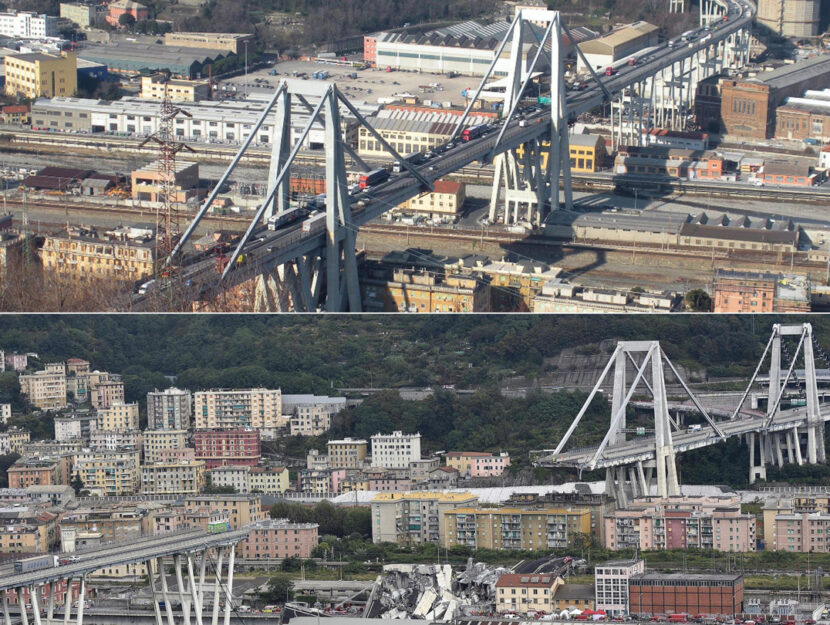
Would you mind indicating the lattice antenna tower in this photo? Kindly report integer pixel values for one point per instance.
(168, 228)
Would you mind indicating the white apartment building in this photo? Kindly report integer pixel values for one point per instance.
(310, 415)
(73, 427)
(45, 389)
(157, 440)
(5, 412)
(173, 478)
(395, 450)
(67, 428)
(611, 585)
(110, 440)
(24, 25)
(170, 409)
(237, 476)
(257, 408)
(118, 417)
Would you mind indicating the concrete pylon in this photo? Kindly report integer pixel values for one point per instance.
(529, 189)
(667, 483)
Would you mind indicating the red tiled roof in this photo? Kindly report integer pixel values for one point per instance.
(459, 454)
(447, 186)
(516, 580)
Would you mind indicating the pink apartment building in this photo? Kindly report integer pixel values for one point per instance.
(803, 532)
(278, 538)
(680, 523)
(477, 463)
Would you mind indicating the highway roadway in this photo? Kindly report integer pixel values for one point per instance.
(268, 249)
(642, 448)
(130, 552)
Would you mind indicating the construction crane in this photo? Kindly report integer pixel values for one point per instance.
(168, 230)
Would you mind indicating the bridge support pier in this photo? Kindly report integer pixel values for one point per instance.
(527, 184)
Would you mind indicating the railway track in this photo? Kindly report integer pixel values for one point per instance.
(260, 155)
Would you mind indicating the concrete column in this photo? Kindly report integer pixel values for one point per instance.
(50, 606)
(7, 619)
(153, 590)
(180, 582)
(797, 442)
(750, 441)
(34, 595)
(642, 478)
(81, 599)
(194, 591)
(618, 395)
(21, 602)
(165, 593)
(217, 584)
(778, 455)
(67, 602)
(229, 586)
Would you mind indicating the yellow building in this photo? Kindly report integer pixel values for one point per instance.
(524, 593)
(119, 417)
(153, 88)
(414, 517)
(157, 440)
(83, 255)
(444, 202)
(111, 472)
(38, 75)
(257, 408)
(347, 453)
(45, 389)
(424, 291)
(33, 534)
(122, 572)
(515, 528)
(107, 394)
(274, 480)
(13, 440)
(173, 478)
(242, 510)
(587, 153)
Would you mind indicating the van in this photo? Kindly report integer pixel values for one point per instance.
(694, 428)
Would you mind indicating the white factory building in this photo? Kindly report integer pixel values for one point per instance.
(467, 48)
(228, 122)
(617, 45)
(23, 25)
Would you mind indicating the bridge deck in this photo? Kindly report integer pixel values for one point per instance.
(269, 249)
(124, 553)
(642, 448)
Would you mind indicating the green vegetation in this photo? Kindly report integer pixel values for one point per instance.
(335, 521)
(322, 355)
(6, 461)
(279, 590)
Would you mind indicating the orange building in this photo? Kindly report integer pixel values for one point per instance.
(138, 11)
(759, 292)
(34, 472)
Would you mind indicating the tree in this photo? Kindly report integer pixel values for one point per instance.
(77, 483)
(698, 300)
(280, 589)
(126, 20)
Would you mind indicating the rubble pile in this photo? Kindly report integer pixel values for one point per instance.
(432, 592)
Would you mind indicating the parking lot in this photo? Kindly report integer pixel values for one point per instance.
(368, 86)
